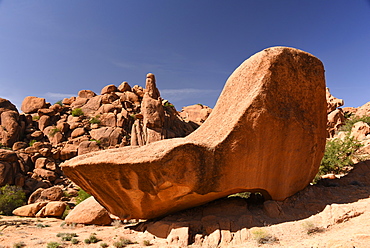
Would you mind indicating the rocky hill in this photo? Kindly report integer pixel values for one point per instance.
(34, 142)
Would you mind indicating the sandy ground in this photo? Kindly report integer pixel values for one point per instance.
(33, 232)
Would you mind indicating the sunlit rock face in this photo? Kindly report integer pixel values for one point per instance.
(266, 133)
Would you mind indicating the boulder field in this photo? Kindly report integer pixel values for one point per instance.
(266, 134)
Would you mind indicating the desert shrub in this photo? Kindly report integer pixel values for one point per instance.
(11, 197)
(67, 236)
(95, 120)
(311, 228)
(123, 242)
(59, 103)
(66, 212)
(36, 117)
(53, 245)
(339, 155)
(92, 239)
(244, 195)
(200, 104)
(77, 112)
(146, 243)
(32, 142)
(347, 127)
(82, 195)
(168, 104)
(53, 131)
(42, 226)
(104, 245)
(97, 141)
(19, 245)
(263, 237)
(74, 241)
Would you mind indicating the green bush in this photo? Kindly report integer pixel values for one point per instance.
(95, 120)
(168, 104)
(36, 117)
(92, 239)
(60, 102)
(82, 195)
(263, 237)
(347, 127)
(53, 131)
(11, 197)
(77, 112)
(339, 155)
(32, 142)
(53, 245)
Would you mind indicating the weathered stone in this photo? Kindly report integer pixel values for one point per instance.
(68, 101)
(52, 209)
(278, 101)
(335, 120)
(124, 86)
(45, 111)
(88, 146)
(108, 120)
(138, 90)
(197, 113)
(272, 208)
(89, 212)
(364, 110)
(360, 130)
(54, 135)
(6, 173)
(8, 155)
(109, 98)
(332, 102)
(86, 94)
(79, 102)
(43, 122)
(68, 151)
(92, 105)
(9, 128)
(78, 132)
(45, 174)
(108, 136)
(19, 145)
(108, 89)
(29, 210)
(6, 105)
(31, 104)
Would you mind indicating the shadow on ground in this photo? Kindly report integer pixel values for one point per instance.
(234, 214)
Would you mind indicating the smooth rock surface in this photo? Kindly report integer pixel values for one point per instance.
(271, 141)
(89, 212)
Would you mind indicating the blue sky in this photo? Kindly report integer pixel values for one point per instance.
(53, 49)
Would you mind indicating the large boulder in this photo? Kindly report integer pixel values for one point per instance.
(31, 104)
(271, 141)
(10, 128)
(89, 212)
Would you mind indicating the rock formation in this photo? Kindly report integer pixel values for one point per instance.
(271, 140)
(335, 113)
(9, 122)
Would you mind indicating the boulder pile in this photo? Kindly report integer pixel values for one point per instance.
(35, 142)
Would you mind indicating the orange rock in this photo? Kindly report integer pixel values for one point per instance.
(332, 102)
(89, 212)
(364, 110)
(271, 141)
(360, 130)
(29, 210)
(31, 104)
(197, 113)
